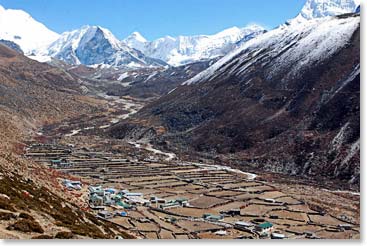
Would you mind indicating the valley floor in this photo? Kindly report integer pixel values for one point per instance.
(181, 199)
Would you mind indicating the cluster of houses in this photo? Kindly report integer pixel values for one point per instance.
(122, 200)
(100, 198)
(179, 202)
(264, 229)
(72, 185)
(212, 217)
(60, 163)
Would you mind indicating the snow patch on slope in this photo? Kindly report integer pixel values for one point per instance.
(293, 47)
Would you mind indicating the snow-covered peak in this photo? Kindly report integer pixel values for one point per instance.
(79, 37)
(228, 32)
(19, 27)
(233, 32)
(323, 8)
(110, 37)
(95, 45)
(138, 37)
(186, 49)
(292, 48)
(135, 40)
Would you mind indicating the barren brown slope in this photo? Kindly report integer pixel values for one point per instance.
(32, 203)
(252, 111)
(33, 93)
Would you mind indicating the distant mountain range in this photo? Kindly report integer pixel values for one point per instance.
(91, 45)
(94, 45)
(186, 49)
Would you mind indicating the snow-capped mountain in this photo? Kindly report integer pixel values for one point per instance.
(294, 48)
(136, 41)
(93, 45)
(19, 27)
(186, 49)
(323, 8)
(311, 21)
(268, 100)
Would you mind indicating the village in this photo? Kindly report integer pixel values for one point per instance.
(159, 199)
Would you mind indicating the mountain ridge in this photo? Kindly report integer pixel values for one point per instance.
(277, 104)
(185, 49)
(324, 8)
(93, 45)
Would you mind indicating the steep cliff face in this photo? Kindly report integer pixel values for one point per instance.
(287, 101)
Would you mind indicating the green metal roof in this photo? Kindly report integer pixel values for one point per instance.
(265, 225)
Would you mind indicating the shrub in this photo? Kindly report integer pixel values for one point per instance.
(64, 235)
(6, 216)
(26, 216)
(26, 225)
(42, 237)
(5, 204)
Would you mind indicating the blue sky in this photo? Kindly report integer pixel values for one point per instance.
(157, 18)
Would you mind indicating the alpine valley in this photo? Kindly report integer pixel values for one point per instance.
(250, 132)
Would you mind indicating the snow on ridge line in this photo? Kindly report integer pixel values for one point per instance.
(25, 31)
(185, 49)
(322, 8)
(331, 32)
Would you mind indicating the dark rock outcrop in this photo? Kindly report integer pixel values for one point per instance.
(11, 45)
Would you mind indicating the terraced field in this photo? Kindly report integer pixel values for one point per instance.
(214, 191)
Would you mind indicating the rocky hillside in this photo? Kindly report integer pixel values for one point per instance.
(141, 83)
(32, 201)
(35, 93)
(11, 45)
(286, 101)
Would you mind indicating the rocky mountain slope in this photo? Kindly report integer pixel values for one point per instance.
(286, 101)
(11, 45)
(187, 49)
(32, 201)
(146, 82)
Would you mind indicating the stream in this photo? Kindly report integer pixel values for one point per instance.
(132, 107)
